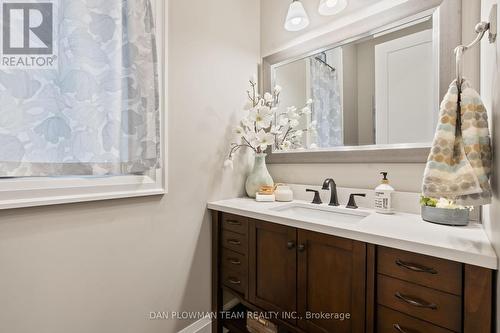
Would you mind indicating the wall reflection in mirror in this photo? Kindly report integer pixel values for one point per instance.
(376, 90)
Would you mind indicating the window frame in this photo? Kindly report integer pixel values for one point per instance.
(44, 191)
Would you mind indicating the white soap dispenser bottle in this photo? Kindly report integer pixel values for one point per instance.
(383, 196)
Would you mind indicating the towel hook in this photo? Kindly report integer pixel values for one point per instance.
(481, 29)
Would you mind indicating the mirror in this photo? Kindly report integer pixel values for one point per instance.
(369, 91)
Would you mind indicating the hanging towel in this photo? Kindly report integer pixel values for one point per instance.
(459, 165)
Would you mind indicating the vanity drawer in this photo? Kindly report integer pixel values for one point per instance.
(234, 280)
(437, 307)
(235, 223)
(234, 241)
(234, 261)
(427, 271)
(396, 322)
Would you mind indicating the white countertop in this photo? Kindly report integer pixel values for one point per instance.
(403, 231)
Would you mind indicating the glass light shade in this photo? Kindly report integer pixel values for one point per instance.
(331, 7)
(296, 18)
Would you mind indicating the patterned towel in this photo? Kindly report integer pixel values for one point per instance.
(459, 166)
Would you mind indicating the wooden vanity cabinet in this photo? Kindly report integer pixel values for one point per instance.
(273, 262)
(302, 273)
(272, 267)
(331, 279)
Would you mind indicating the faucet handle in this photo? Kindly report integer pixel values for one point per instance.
(352, 200)
(317, 198)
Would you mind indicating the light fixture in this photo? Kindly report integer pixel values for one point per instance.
(331, 7)
(296, 18)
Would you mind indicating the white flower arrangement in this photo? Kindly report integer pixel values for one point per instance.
(265, 126)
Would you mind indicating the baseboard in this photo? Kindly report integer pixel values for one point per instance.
(204, 325)
(201, 326)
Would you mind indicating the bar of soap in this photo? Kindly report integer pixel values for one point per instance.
(265, 198)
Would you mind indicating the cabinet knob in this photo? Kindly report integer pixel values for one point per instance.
(290, 245)
(302, 247)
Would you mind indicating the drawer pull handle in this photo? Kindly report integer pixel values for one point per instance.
(234, 281)
(234, 242)
(415, 267)
(233, 222)
(235, 262)
(416, 303)
(398, 328)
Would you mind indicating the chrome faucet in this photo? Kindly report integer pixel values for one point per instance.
(330, 184)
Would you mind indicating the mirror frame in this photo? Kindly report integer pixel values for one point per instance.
(447, 22)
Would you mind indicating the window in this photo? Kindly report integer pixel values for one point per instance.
(82, 94)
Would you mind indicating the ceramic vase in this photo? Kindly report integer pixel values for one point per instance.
(258, 177)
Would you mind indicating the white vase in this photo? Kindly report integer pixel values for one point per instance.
(258, 177)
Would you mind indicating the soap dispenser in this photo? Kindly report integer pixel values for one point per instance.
(383, 196)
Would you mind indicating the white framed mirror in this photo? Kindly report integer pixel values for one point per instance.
(368, 89)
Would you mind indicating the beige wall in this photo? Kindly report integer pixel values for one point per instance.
(102, 267)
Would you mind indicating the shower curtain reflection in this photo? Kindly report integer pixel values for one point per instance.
(327, 104)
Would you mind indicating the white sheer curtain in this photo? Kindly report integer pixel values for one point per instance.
(327, 106)
(98, 112)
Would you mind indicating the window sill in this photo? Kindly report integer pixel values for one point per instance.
(34, 192)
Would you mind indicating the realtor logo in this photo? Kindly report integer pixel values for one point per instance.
(28, 34)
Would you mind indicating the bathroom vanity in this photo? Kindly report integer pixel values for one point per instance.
(310, 266)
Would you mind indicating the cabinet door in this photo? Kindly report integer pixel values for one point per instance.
(273, 267)
(331, 280)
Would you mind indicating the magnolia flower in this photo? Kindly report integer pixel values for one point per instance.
(239, 130)
(294, 123)
(228, 164)
(283, 121)
(268, 97)
(262, 117)
(286, 145)
(265, 124)
(251, 137)
(275, 130)
(264, 139)
(292, 113)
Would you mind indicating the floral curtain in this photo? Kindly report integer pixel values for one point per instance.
(327, 106)
(97, 113)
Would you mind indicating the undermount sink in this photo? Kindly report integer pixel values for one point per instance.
(322, 212)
